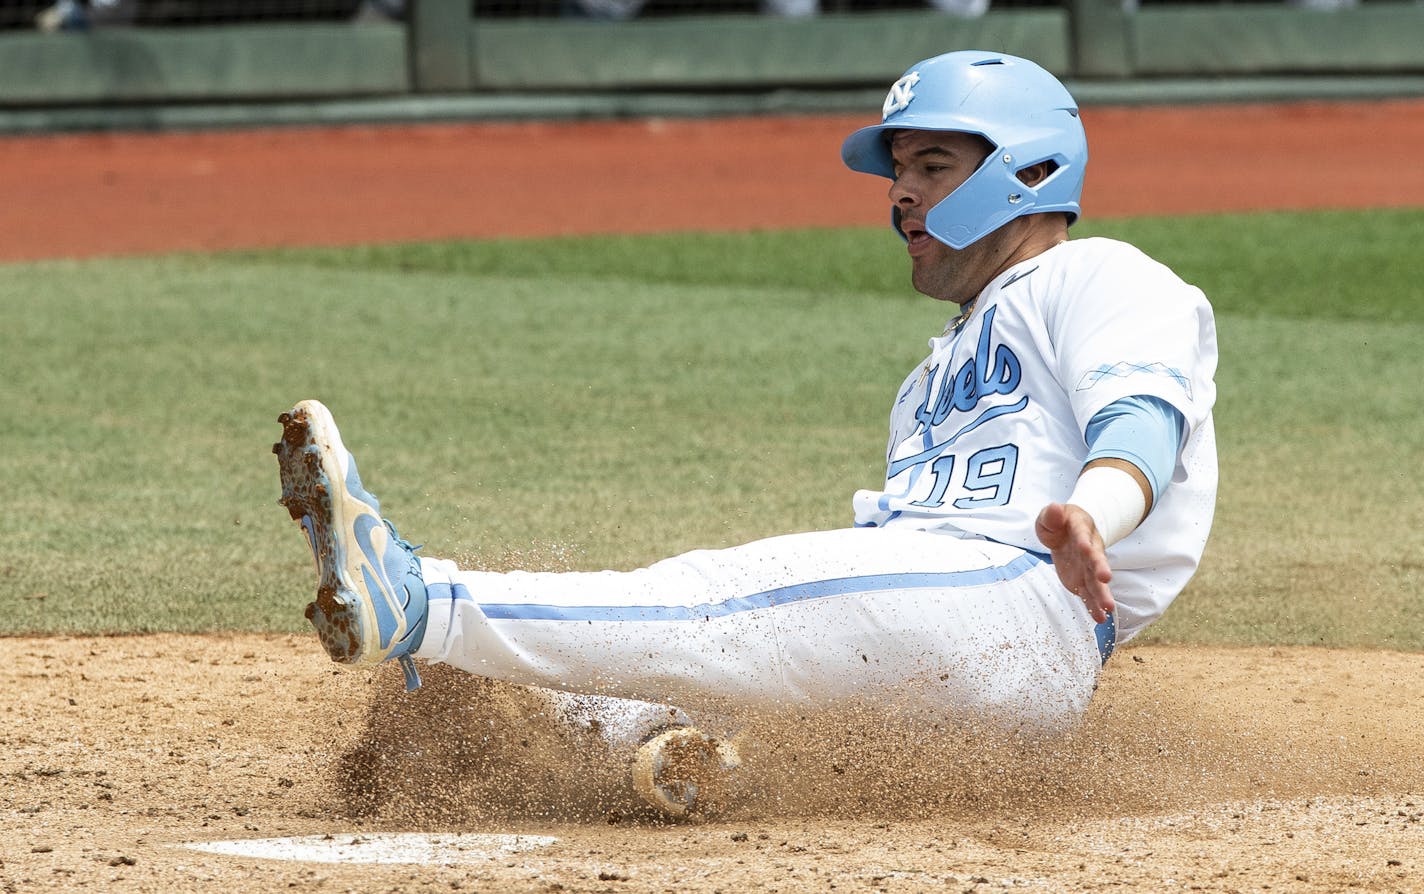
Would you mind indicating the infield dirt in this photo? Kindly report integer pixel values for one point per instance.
(1200, 769)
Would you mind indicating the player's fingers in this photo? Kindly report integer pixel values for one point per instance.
(1099, 600)
(1083, 569)
(1098, 565)
(1099, 597)
(1094, 595)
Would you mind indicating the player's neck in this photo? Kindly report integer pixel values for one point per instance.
(1027, 238)
(1038, 234)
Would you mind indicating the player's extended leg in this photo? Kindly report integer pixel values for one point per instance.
(920, 620)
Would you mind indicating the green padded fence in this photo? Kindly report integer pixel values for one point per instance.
(1187, 40)
(748, 52)
(224, 62)
(444, 51)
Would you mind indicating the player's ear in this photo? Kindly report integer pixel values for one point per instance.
(1036, 174)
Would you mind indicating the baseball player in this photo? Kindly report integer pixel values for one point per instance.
(1050, 481)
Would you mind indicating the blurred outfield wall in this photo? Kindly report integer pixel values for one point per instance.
(512, 64)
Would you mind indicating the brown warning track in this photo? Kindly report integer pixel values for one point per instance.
(87, 195)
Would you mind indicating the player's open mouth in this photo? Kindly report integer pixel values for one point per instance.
(916, 238)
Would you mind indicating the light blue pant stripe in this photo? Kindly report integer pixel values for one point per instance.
(821, 589)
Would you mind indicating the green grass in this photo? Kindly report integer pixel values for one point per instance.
(604, 402)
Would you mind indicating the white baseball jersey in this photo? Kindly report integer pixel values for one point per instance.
(990, 428)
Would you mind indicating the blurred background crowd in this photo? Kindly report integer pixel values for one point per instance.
(76, 15)
(48, 15)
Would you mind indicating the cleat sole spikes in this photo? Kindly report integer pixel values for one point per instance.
(370, 601)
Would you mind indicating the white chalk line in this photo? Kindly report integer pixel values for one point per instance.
(351, 847)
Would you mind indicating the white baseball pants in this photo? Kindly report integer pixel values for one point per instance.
(905, 620)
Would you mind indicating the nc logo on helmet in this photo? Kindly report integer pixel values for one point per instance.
(901, 92)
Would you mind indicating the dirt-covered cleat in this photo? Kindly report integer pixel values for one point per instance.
(370, 599)
(675, 769)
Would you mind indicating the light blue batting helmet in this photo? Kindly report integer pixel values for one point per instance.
(1021, 109)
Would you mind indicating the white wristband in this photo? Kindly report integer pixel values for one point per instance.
(1114, 500)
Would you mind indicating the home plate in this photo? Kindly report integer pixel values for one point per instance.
(435, 849)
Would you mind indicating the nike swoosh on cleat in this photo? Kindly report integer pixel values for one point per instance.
(375, 573)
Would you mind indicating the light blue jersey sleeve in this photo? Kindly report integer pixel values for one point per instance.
(1145, 431)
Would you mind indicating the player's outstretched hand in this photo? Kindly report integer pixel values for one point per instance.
(1078, 555)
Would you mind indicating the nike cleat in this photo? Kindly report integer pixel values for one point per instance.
(677, 770)
(370, 599)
